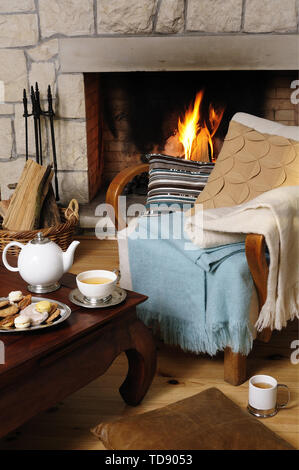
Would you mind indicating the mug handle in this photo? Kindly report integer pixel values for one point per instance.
(283, 405)
(5, 262)
(117, 272)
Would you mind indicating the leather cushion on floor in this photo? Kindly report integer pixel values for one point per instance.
(208, 420)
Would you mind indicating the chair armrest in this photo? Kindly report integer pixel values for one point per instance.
(256, 257)
(118, 184)
(255, 249)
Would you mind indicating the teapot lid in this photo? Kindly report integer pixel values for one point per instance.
(40, 239)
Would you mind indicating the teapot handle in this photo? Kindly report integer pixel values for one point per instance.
(5, 262)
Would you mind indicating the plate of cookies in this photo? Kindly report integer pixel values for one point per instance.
(20, 312)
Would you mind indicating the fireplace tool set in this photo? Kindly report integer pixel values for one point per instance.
(37, 112)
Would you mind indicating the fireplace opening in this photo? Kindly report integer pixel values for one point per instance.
(132, 114)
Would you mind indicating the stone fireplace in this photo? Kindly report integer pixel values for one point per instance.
(70, 43)
(140, 110)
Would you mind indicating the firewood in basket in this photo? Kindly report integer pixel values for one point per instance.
(4, 207)
(41, 194)
(50, 215)
(24, 209)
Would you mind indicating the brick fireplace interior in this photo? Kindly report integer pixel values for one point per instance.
(131, 113)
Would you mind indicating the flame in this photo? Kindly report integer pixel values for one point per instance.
(189, 127)
(196, 134)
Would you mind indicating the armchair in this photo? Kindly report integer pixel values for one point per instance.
(258, 155)
(234, 363)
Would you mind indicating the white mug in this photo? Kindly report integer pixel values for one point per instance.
(262, 402)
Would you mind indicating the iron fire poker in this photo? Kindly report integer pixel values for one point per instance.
(51, 115)
(36, 113)
(35, 118)
(26, 115)
(39, 112)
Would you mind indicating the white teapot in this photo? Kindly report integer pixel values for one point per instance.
(41, 263)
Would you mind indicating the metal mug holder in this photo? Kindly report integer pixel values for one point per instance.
(94, 301)
(271, 412)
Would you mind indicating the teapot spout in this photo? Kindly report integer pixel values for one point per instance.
(68, 255)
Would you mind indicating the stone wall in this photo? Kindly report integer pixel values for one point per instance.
(29, 52)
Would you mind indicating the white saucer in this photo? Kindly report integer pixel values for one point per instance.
(117, 296)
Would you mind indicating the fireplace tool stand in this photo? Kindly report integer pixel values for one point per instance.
(36, 113)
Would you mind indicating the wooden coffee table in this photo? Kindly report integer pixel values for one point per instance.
(43, 367)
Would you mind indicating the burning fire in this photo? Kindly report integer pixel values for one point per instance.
(196, 134)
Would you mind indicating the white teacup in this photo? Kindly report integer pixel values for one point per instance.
(262, 400)
(93, 293)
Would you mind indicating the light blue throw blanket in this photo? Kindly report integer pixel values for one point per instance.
(198, 298)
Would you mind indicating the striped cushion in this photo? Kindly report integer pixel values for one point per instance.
(173, 180)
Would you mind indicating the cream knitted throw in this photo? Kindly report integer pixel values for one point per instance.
(274, 214)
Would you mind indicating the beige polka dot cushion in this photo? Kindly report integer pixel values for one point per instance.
(252, 162)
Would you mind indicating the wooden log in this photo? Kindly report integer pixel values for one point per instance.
(50, 212)
(42, 191)
(24, 209)
(4, 207)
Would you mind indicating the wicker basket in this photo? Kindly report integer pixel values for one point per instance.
(61, 234)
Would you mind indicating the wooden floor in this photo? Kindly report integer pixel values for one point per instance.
(179, 375)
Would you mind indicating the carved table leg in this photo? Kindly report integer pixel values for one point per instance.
(142, 360)
(234, 367)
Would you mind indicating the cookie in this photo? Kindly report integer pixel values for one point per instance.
(8, 323)
(4, 303)
(54, 315)
(53, 308)
(15, 296)
(22, 321)
(37, 318)
(8, 311)
(43, 306)
(25, 301)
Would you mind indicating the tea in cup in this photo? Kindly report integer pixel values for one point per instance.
(96, 284)
(262, 401)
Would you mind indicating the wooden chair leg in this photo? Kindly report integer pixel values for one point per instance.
(265, 335)
(234, 367)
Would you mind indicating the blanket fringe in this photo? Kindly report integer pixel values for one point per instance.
(192, 338)
(288, 309)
